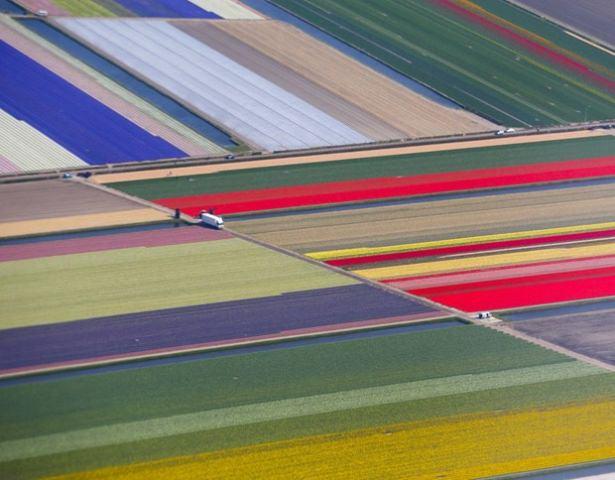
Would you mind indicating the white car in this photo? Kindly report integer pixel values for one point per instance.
(504, 132)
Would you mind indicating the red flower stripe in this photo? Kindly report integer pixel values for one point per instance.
(527, 291)
(477, 247)
(530, 45)
(390, 187)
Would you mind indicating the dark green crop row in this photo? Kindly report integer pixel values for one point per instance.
(475, 67)
(110, 398)
(360, 168)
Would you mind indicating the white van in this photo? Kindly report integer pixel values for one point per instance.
(211, 220)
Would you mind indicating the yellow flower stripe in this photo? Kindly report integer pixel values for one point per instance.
(487, 261)
(460, 447)
(361, 252)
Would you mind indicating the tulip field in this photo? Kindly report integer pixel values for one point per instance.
(307, 239)
(463, 388)
(488, 56)
(375, 179)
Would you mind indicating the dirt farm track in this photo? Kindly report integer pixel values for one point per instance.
(330, 157)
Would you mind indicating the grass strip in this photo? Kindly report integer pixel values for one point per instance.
(130, 395)
(276, 410)
(535, 396)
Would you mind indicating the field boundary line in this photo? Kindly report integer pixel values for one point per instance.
(563, 25)
(579, 130)
(464, 316)
(508, 330)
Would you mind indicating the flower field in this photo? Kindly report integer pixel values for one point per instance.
(420, 450)
(489, 56)
(493, 251)
(465, 388)
(163, 290)
(356, 180)
(54, 206)
(210, 9)
(413, 276)
(478, 273)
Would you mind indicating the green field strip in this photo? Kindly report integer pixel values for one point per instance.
(95, 400)
(549, 394)
(116, 8)
(473, 66)
(362, 168)
(84, 8)
(551, 32)
(71, 287)
(296, 407)
(526, 102)
(550, 70)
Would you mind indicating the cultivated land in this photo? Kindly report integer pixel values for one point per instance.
(359, 391)
(593, 18)
(358, 168)
(107, 92)
(162, 290)
(409, 113)
(475, 253)
(331, 157)
(174, 351)
(475, 57)
(68, 117)
(54, 205)
(586, 328)
(126, 281)
(252, 107)
(259, 62)
(435, 219)
(128, 8)
(380, 178)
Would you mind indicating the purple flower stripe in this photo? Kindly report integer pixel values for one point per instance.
(201, 326)
(151, 238)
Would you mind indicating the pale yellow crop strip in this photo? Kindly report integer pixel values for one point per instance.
(467, 446)
(406, 247)
(487, 261)
(81, 222)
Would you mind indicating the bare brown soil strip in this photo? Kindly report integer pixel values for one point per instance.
(56, 198)
(330, 157)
